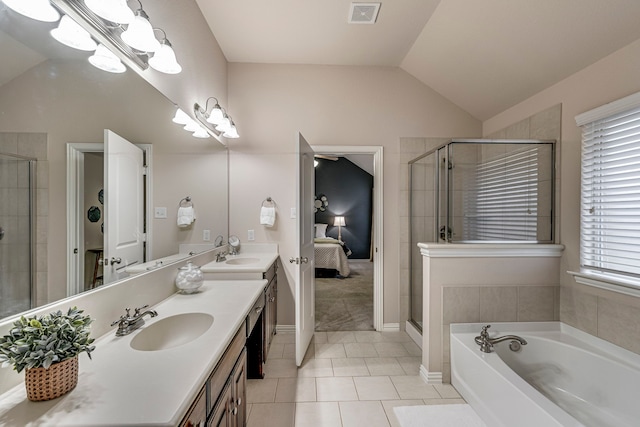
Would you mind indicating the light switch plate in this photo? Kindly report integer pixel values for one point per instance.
(206, 235)
(160, 212)
(251, 235)
(294, 213)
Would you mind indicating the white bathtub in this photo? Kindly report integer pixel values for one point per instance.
(562, 377)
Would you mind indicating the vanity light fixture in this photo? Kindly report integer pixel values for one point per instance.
(106, 60)
(231, 132)
(40, 10)
(191, 125)
(164, 59)
(115, 11)
(201, 133)
(139, 34)
(216, 115)
(70, 33)
(181, 117)
(216, 122)
(225, 123)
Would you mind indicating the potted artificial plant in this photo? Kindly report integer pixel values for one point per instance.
(47, 347)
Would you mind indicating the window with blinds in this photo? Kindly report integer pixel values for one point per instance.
(502, 198)
(610, 207)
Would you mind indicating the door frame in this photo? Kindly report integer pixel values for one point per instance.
(378, 219)
(75, 200)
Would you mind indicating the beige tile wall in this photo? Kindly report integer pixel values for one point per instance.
(31, 145)
(486, 304)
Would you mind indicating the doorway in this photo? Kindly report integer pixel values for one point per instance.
(349, 266)
(85, 258)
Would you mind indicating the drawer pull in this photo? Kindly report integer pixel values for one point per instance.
(259, 309)
(235, 411)
(272, 299)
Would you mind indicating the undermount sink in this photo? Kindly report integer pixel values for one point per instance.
(242, 261)
(172, 331)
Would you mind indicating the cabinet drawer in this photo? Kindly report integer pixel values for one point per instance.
(270, 273)
(220, 375)
(255, 312)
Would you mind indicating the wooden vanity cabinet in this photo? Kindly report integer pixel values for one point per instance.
(222, 400)
(271, 307)
(197, 415)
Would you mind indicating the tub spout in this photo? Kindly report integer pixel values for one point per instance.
(486, 343)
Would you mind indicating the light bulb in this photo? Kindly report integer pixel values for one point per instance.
(232, 132)
(40, 10)
(181, 117)
(112, 10)
(216, 116)
(70, 33)
(139, 34)
(164, 59)
(191, 126)
(106, 60)
(201, 133)
(224, 125)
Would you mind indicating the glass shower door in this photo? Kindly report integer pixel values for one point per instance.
(16, 234)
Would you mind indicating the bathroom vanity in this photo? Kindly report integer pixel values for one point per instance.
(200, 379)
(256, 262)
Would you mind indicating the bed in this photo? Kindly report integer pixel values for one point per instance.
(330, 253)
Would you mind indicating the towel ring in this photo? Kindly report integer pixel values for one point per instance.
(268, 203)
(185, 203)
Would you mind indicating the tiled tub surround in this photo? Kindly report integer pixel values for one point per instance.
(562, 377)
(466, 283)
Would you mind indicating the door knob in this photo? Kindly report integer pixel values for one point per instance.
(294, 260)
(304, 260)
(116, 260)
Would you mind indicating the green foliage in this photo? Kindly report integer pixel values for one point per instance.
(40, 341)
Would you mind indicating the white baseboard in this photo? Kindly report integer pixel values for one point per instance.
(391, 327)
(415, 335)
(430, 377)
(285, 328)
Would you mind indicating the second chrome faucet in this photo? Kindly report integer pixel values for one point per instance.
(127, 323)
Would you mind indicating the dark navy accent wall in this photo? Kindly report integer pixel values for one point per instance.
(349, 191)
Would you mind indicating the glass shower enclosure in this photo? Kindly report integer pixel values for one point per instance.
(479, 191)
(17, 236)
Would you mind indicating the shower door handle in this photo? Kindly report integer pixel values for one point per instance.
(1, 233)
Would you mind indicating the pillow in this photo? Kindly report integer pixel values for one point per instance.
(321, 231)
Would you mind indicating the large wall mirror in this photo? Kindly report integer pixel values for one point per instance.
(51, 96)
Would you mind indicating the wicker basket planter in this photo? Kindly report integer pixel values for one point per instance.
(49, 383)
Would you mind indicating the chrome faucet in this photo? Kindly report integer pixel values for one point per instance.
(486, 343)
(127, 323)
(221, 256)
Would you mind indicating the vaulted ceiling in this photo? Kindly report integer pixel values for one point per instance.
(483, 55)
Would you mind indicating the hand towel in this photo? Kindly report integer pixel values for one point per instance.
(186, 216)
(267, 216)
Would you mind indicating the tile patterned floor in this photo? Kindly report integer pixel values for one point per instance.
(348, 379)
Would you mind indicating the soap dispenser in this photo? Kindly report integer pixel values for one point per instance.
(189, 278)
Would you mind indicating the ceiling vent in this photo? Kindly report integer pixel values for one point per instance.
(363, 13)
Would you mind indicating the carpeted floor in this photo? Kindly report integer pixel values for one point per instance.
(346, 304)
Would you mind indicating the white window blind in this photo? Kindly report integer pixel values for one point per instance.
(610, 209)
(502, 203)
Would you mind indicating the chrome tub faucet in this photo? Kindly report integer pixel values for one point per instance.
(486, 343)
(127, 323)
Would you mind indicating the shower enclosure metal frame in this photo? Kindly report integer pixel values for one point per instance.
(31, 201)
(442, 228)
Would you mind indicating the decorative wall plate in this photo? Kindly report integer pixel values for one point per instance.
(93, 214)
(320, 203)
(101, 196)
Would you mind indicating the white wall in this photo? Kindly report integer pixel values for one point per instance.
(610, 316)
(329, 105)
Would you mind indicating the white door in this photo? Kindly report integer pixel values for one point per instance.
(123, 204)
(305, 277)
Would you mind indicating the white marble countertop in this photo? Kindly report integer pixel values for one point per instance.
(229, 270)
(126, 387)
